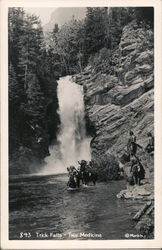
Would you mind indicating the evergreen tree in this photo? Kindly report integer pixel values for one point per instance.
(94, 37)
(67, 47)
(32, 87)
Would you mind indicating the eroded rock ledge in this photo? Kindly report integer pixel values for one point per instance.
(114, 104)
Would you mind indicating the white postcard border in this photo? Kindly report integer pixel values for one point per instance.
(68, 244)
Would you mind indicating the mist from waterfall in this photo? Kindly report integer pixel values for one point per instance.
(73, 143)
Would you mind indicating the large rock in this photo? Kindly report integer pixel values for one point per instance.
(144, 192)
(116, 105)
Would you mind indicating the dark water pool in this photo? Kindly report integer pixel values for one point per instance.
(42, 208)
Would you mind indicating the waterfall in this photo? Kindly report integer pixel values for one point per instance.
(73, 144)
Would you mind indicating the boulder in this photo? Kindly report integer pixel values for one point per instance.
(135, 192)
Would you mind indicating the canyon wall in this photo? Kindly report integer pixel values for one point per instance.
(123, 101)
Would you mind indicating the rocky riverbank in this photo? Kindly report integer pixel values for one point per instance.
(144, 218)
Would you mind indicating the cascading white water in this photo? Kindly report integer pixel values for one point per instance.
(74, 145)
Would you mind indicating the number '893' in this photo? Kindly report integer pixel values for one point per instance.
(25, 235)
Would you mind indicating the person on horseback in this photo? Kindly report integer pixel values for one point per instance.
(86, 175)
(72, 177)
(137, 170)
(92, 173)
(77, 177)
(82, 168)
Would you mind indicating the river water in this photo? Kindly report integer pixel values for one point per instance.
(42, 204)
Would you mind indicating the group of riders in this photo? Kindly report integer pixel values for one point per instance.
(137, 170)
(86, 173)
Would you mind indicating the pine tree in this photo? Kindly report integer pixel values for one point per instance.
(94, 30)
(32, 86)
(67, 47)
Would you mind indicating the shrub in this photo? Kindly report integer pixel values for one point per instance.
(107, 167)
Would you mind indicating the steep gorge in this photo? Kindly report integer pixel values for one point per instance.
(123, 101)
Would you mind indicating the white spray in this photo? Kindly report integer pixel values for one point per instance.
(74, 145)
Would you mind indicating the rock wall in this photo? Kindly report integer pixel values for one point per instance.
(124, 101)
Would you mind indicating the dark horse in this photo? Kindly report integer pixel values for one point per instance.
(86, 174)
(138, 171)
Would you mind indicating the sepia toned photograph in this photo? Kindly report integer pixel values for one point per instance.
(81, 123)
(81, 130)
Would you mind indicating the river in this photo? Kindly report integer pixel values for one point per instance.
(42, 204)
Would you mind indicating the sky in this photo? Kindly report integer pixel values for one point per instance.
(43, 13)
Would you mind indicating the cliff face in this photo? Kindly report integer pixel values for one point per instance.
(63, 15)
(124, 101)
